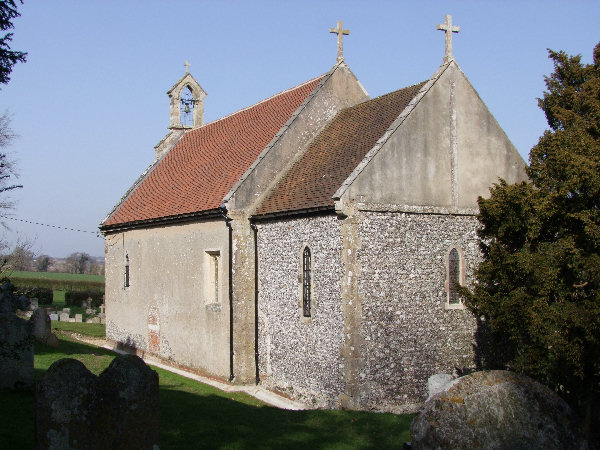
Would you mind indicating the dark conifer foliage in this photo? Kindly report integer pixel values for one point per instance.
(8, 57)
(537, 294)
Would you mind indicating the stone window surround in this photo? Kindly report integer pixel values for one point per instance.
(211, 288)
(461, 275)
(313, 303)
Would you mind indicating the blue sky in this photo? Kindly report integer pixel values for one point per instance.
(91, 103)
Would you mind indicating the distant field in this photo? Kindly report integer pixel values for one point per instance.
(56, 276)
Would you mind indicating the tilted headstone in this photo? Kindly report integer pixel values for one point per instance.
(496, 409)
(117, 409)
(16, 342)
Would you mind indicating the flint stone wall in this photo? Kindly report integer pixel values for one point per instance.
(408, 334)
(298, 355)
(397, 302)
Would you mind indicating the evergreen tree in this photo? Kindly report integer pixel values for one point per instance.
(537, 291)
(8, 57)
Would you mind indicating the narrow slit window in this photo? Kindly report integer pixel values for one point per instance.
(453, 277)
(126, 270)
(306, 282)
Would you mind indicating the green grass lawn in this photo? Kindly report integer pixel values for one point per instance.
(55, 276)
(194, 415)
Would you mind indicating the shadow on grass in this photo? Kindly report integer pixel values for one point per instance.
(196, 421)
(197, 416)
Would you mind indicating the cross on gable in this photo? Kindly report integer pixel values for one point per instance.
(187, 67)
(448, 29)
(339, 30)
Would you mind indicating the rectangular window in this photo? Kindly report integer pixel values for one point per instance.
(211, 276)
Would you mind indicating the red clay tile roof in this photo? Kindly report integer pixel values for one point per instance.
(206, 162)
(334, 154)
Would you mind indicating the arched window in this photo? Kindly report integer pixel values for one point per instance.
(454, 278)
(126, 270)
(306, 282)
(186, 112)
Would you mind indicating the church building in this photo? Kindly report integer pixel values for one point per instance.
(312, 242)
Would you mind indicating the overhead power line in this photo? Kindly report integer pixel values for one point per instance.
(58, 227)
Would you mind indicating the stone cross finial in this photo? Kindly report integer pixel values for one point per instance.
(187, 67)
(339, 30)
(448, 28)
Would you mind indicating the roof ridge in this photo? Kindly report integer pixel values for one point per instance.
(321, 83)
(259, 102)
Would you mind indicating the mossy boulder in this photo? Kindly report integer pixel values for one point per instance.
(496, 410)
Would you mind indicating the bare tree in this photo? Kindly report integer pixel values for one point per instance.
(78, 263)
(42, 263)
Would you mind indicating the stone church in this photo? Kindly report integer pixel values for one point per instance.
(311, 242)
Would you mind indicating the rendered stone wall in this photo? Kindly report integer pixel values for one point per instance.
(407, 333)
(169, 309)
(297, 355)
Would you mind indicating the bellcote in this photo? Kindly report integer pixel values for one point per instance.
(186, 103)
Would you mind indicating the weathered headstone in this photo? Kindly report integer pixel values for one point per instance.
(42, 327)
(66, 310)
(496, 409)
(53, 316)
(16, 342)
(78, 318)
(66, 402)
(92, 320)
(130, 387)
(64, 317)
(117, 409)
(41, 324)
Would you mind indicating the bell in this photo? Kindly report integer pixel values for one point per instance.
(187, 108)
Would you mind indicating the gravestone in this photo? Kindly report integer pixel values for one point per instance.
(41, 324)
(66, 310)
(496, 409)
(16, 342)
(117, 409)
(92, 320)
(66, 399)
(53, 316)
(64, 317)
(42, 327)
(33, 304)
(78, 318)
